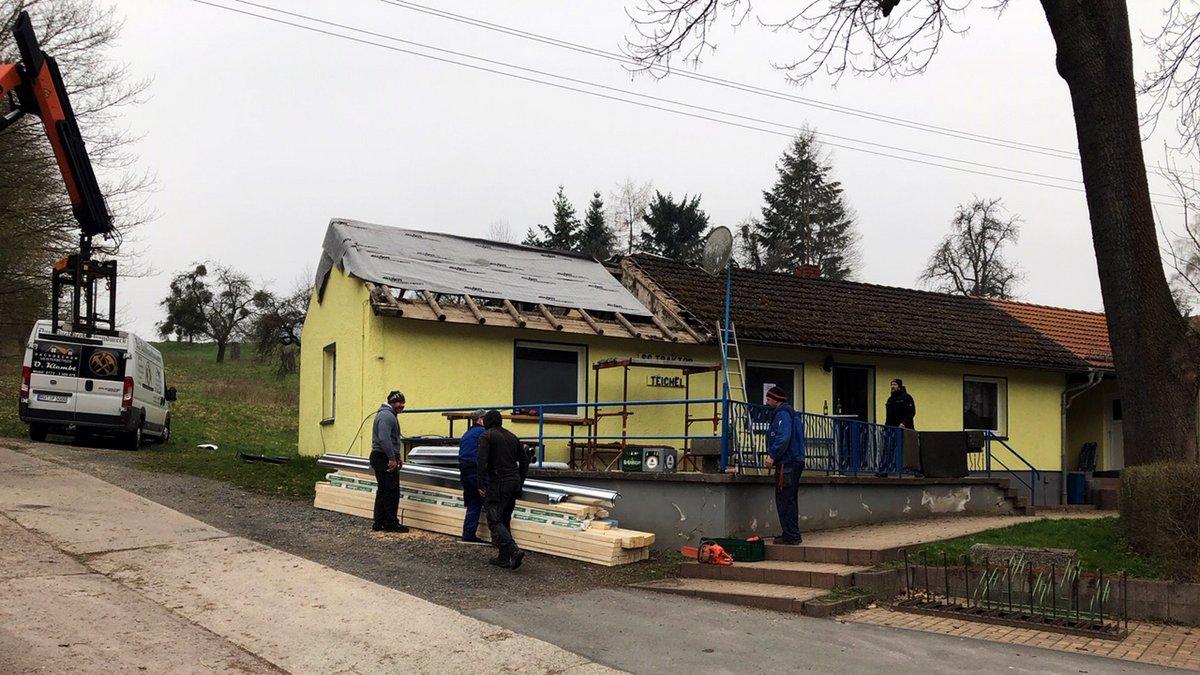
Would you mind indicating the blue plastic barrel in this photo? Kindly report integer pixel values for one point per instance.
(1076, 487)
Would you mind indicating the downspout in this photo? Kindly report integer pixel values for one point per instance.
(1069, 395)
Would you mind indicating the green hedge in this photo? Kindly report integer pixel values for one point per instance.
(1160, 516)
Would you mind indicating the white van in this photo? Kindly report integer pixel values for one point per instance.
(100, 384)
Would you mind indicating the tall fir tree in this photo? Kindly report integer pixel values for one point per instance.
(674, 229)
(805, 220)
(596, 239)
(563, 235)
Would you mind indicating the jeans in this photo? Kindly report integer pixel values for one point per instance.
(474, 502)
(387, 491)
(787, 497)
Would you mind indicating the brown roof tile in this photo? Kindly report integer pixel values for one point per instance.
(855, 317)
(1085, 334)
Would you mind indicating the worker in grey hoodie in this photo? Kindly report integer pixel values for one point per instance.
(386, 462)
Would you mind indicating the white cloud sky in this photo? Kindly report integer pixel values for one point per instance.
(259, 133)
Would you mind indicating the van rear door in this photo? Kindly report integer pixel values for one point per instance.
(101, 379)
(54, 376)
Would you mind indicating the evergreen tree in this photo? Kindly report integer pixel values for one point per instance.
(674, 230)
(805, 220)
(563, 235)
(596, 239)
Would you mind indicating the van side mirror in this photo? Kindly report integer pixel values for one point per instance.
(170, 394)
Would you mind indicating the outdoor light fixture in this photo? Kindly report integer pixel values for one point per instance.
(828, 364)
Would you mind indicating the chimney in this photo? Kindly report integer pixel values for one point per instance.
(808, 272)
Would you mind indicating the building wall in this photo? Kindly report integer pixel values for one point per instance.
(441, 365)
(1087, 421)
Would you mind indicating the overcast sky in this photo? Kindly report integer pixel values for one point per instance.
(260, 133)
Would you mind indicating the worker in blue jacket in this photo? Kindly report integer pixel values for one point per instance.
(785, 452)
(468, 474)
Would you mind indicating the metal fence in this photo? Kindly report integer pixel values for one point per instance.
(835, 445)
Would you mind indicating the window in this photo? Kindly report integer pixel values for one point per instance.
(984, 401)
(762, 376)
(329, 383)
(549, 373)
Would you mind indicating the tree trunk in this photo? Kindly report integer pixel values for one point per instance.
(1154, 355)
(220, 352)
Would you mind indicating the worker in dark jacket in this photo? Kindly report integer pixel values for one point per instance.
(386, 462)
(468, 475)
(901, 409)
(785, 452)
(503, 465)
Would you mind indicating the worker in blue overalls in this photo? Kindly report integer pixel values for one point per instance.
(468, 475)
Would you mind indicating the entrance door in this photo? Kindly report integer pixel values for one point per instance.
(762, 376)
(1116, 438)
(852, 391)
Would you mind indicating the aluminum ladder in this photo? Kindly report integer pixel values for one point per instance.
(737, 368)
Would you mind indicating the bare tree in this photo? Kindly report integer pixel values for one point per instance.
(499, 230)
(968, 261)
(630, 201)
(218, 307)
(36, 223)
(1156, 356)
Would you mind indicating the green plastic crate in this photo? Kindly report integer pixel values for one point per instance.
(742, 550)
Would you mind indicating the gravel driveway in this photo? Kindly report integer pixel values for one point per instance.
(431, 566)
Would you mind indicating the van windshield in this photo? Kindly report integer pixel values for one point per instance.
(66, 359)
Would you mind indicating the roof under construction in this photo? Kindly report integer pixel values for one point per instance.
(444, 277)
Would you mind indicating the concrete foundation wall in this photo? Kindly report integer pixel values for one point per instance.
(682, 508)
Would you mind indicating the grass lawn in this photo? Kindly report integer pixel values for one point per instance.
(1097, 541)
(239, 406)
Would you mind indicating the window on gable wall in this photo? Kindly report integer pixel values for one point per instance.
(329, 382)
(985, 404)
(549, 373)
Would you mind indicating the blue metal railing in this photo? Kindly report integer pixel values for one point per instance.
(834, 445)
(981, 462)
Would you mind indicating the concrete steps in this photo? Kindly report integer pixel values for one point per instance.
(834, 555)
(777, 572)
(778, 597)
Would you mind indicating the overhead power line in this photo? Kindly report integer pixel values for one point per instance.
(589, 92)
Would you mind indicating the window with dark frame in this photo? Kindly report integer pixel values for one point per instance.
(545, 374)
(983, 404)
(329, 382)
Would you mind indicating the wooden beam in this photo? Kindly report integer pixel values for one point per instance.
(590, 321)
(658, 301)
(628, 326)
(474, 309)
(437, 310)
(549, 317)
(512, 311)
(386, 294)
(663, 327)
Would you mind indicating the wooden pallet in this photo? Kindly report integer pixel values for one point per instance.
(598, 543)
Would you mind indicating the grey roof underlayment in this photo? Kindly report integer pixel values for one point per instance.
(445, 263)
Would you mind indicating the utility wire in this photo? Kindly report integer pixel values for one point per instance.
(616, 98)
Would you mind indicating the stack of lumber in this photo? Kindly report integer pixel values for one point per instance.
(573, 531)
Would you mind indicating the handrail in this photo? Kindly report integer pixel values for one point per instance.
(1034, 474)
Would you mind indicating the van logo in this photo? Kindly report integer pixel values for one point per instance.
(103, 363)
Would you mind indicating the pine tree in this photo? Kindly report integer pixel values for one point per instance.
(596, 239)
(564, 234)
(805, 220)
(674, 230)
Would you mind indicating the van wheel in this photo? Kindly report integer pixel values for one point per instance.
(166, 432)
(133, 440)
(38, 431)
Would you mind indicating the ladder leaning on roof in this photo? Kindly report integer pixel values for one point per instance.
(737, 369)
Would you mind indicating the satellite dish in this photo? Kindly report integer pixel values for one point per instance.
(718, 246)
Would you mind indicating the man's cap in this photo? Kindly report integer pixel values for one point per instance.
(395, 396)
(777, 394)
(477, 414)
(898, 382)
(492, 418)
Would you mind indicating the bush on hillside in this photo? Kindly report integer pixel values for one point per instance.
(1160, 516)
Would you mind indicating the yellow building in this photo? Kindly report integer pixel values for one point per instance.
(462, 323)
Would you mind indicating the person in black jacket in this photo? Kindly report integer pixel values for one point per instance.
(901, 409)
(503, 465)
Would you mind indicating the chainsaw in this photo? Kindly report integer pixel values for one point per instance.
(707, 553)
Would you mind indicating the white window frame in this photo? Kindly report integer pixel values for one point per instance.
(1001, 401)
(797, 368)
(328, 383)
(581, 352)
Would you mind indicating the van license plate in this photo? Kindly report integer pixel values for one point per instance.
(52, 398)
